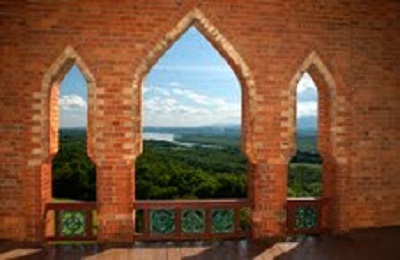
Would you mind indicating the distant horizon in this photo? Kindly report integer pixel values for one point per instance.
(204, 126)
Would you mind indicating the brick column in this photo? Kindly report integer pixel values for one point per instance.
(115, 194)
(328, 191)
(269, 212)
(20, 204)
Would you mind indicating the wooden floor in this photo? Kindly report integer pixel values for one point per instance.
(376, 244)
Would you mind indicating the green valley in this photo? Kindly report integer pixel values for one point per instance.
(206, 163)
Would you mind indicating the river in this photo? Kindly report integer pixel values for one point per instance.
(170, 138)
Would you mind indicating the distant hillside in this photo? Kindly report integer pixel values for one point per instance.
(306, 128)
(307, 122)
(202, 130)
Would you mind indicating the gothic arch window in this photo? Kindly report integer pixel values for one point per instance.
(69, 88)
(191, 125)
(324, 82)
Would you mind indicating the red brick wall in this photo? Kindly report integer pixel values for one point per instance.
(356, 48)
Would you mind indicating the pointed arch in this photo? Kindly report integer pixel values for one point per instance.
(326, 87)
(327, 125)
(63, 63)
(50, 88)
(197, 19)
(44, 127)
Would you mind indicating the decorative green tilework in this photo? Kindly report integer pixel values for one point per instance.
(162, 221)
(193, 221)
(222, 220)
(73, 223)
(306, 217)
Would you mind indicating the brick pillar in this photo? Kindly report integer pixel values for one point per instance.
(36, 191)
(47, 224)
(268, 182)
(20, 204)
(333, 182)
(115, 195)
(328, 191)
(340, 199)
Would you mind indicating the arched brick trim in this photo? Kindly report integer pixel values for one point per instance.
(327, 130)
(50, 84)
(44, 136)
(196, 18)
(326, 88)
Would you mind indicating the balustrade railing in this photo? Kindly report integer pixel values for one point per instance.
(173, 220)
(305, 215)
(191, 219)
(71, 221)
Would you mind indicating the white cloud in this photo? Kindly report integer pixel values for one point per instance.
(160, 105)
(180, 106)
(308, 108)
(72, 102)
(192, 95)
(306, 82)
(307, 95)
(153, 90)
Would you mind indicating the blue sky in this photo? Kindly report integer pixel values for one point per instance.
(73, 99)
(191, 85)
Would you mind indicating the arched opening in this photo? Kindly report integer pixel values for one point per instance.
(305, 169)
(67, 65)
(73, 173)
(314, 214)
(197, 19)
(191, 126)
(148, 213)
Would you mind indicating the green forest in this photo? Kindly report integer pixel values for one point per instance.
(212, 166)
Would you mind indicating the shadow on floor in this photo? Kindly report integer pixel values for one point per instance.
(377, 244)
(371, 244)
